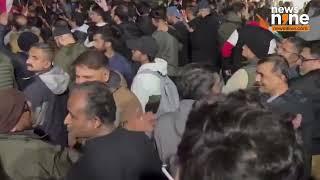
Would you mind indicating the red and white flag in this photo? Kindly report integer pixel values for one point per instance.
(5, 5)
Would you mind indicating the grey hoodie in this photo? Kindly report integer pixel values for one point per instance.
(41, 90)
(169, 130)
(56, 80)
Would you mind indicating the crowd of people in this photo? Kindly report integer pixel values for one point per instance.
(156, 90)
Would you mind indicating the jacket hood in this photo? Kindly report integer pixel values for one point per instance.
(159, 65)
(56, 80)
(232, 17)
(115, 81)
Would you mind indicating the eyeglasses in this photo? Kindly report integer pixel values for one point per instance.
(303, 59)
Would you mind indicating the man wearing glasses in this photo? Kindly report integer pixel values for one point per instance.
(290, 49)
(309, 84)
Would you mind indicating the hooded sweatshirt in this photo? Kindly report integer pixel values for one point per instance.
(146, 85)
(47, 96)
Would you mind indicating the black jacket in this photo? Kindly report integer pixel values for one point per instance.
(20, 70)
(121, 155)
(145, 25)
(129, 30)
(309, 84)
(48, 95)
(182, 34)
(204, 40)
(295, 102)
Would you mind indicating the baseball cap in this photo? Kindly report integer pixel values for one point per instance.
(145, 44)
(173, 11)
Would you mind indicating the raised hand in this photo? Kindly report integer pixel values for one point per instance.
(103, 4)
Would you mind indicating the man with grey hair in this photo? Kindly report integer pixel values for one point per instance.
(46, 93)
(109, 152)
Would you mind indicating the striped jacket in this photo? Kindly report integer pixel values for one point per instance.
(7, 79)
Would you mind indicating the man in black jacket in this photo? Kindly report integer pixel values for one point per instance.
(309, 84)
(272, 80)
(204, 38)
(109, 153)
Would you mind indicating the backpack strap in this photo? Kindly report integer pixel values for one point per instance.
(148, 71)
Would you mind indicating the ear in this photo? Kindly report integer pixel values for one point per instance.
(106, 75)
(284, 77)
(97, 122)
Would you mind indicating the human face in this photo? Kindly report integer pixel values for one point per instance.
(247, 53)
(99, 43)
(37, 61)
(136, 55)
(85, 74)
(268, 80)
(94, 17)
(289, 52)
(78, 123)
(308, 62)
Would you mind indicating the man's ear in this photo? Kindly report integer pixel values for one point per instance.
(97, 122)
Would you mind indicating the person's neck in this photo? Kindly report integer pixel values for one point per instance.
(281, 90)
(145, 62)
(103, 131)
(118, 22)
(109, 53)
(44, 71)
(100, 22)
(163, 27)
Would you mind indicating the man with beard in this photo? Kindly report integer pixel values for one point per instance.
(106, 42)
(47, 93)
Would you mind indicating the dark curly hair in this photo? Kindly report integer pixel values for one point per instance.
(237, 137)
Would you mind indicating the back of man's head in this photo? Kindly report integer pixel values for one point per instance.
(264, 13)
(79, 19)
(238, 7)
(233, 137)
(315, 49)
(143, 8)
(122, 11)
(159, 13)
(196, 81)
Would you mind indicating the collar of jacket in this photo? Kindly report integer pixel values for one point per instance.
(114, 82)
(252, 62)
